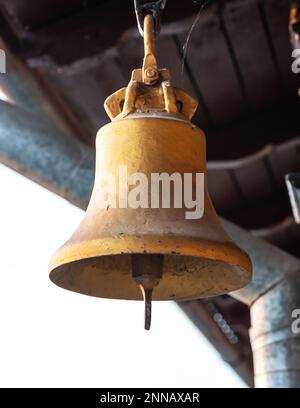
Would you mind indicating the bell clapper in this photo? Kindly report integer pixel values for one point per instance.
(147, 273)
(147, 294)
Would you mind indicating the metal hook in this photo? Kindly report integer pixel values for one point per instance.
(144, 7)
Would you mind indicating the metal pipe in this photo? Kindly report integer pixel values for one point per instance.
(276, 349)
(40, 152)
(36, 140)
(272, 297)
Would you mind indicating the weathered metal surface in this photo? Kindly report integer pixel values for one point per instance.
(35, 136)
(142, 144)
(145, 136)
(270, 264)
(273, 295)
(44, 154)
(276, 347)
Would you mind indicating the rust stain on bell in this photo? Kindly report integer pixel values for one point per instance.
(150, 253)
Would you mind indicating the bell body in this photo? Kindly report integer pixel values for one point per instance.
(199, 259)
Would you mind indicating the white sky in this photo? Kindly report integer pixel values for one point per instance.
(50, 337)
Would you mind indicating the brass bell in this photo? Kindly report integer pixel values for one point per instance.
(118, 250)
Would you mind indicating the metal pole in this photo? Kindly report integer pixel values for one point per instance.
(272, 297)
(40, 152)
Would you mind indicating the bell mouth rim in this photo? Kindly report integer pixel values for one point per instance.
(166, 245)
(71, 259)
